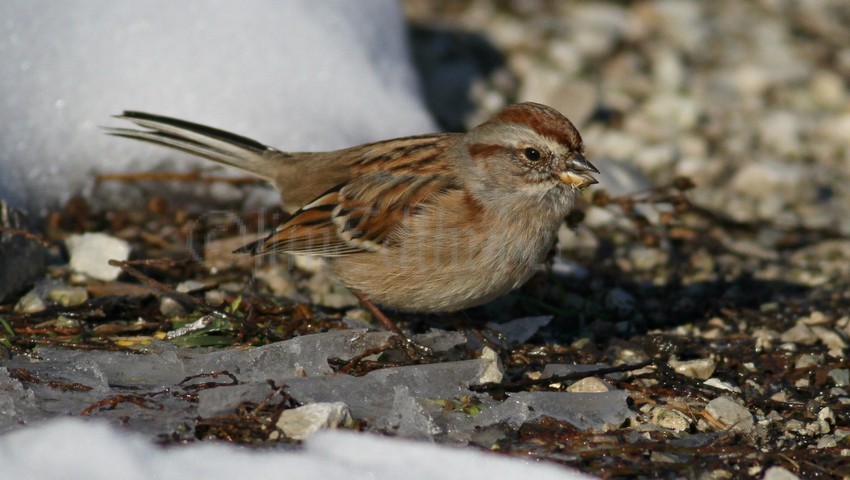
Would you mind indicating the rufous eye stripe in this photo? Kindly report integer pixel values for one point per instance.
(484, 150)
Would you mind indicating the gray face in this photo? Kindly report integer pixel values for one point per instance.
(532, 150)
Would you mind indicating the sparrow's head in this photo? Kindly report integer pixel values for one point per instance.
(531, 149)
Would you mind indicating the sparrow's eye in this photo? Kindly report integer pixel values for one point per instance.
(532, 154)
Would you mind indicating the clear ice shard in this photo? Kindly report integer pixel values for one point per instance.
(586, 411)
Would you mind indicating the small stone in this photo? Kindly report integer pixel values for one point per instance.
(215, 297)
(189, 286)
(826, 415)
(598, 217)
(302, 422)
(761, 179)
(30, 303)
(576, 100)
(781, 397)
(840, 376)
(671, 419)
(799, 333)
(794, 425)
(828, 89)
(357, 318)
(765, 337)
(663, 457)
(647, 258)
(701, 368)
(808, 360)
(842, 394)
(65, 322)
(819, 427)
(493, 372)
(655, 158)
(278, 279)
(717, 475)
(780, 131)
(731, 414)
(67, 295)
(597, 27)
(717, 383)
(668, 70)
(829, 337)
(674, 113)
(90, 254)
(328, 293)
(589, 385)
(22, 259)
(620, 300)
(827, 442)
(779, 473)
(170, 308)
(815, 318)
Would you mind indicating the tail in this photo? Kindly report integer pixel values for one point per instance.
(207, 142)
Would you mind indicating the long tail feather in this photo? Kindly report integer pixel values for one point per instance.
(201, 140)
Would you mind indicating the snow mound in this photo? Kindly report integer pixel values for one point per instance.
(298, 75)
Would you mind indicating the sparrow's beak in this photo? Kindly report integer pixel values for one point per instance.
(578, 173)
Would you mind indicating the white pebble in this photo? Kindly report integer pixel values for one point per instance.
(90, 254)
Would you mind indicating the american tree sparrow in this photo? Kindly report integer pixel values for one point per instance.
(428, 223)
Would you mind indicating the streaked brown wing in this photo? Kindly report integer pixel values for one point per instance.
(371, 208)
(389, 182)
(310, 231)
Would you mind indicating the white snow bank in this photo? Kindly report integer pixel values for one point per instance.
(70, 448)
(299, 75)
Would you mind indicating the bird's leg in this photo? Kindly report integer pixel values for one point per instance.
(413, 349)
(379, 315)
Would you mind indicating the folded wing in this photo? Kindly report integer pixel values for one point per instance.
(364, 213)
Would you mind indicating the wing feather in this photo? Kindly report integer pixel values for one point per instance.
(364, 213)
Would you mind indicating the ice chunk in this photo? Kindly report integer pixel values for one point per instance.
(299, 357)
(559, 369)
(409, 417)
(221, 400)
(17, 405)
(159, 368)
(520, 330)
(587, 411)
(440, 340)
(370, 396)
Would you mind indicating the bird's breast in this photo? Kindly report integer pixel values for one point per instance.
(447, 264)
